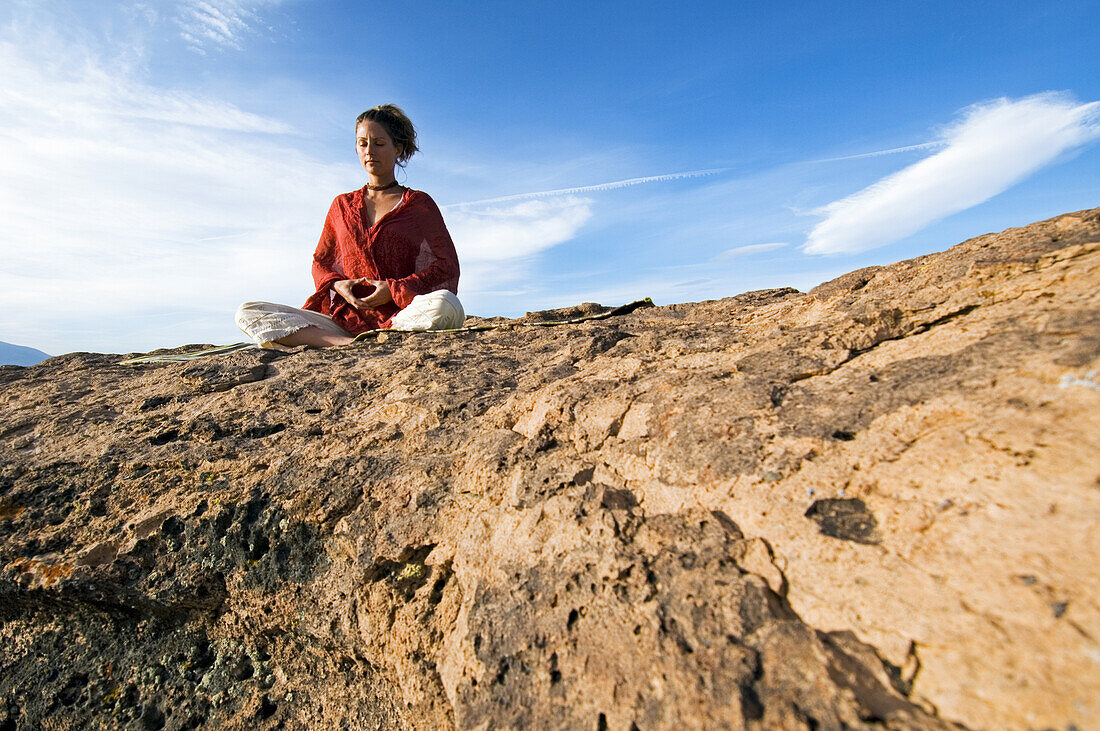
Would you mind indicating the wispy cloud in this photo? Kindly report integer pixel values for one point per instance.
(98, 94)
(880, 153)
(992, 146)
(498, 238)
(219, 23)
(599, 187)
(513, 232)
(154, 212)
(496, 245)
(136, 217)
(739, 251)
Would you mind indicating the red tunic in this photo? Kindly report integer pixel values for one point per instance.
(409, 247)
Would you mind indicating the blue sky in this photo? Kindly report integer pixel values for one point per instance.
(161, 162)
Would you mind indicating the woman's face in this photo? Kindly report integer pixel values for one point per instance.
(376, 150)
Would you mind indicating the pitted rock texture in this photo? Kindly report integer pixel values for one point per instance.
(869, 506)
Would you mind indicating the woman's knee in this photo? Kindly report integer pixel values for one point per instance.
(438, 310)
(450, 308)
(248, 312)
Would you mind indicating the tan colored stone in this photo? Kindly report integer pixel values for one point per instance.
(869, 506)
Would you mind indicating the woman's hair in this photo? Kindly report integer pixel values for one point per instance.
(398, 126)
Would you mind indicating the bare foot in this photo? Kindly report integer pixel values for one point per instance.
(314, 337)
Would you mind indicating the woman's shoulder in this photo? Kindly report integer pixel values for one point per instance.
(345, 202)
(420, 199)
(348, 198)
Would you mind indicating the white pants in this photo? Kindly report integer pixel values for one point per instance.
(266, 322)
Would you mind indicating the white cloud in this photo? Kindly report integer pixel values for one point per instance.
(133, 217)
(497, 244)
(521, 230)
(67, 84)
(992, 146)
(218, 23)
(749, 250)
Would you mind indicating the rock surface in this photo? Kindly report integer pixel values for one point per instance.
(873, 505)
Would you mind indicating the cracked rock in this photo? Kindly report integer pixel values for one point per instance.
(869, 506)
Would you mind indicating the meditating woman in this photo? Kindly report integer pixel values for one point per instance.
(385, 259)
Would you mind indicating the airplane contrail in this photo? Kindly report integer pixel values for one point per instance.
(673, 176)
(891, 151)
(592, 188)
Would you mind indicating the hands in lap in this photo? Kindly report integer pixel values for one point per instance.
(379, 295)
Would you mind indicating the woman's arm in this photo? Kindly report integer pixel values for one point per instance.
(437, 260)
(326, 268)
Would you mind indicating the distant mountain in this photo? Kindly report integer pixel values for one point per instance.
(20, 355)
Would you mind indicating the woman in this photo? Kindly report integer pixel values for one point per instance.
(384, 260)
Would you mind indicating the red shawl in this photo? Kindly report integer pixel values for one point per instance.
(409, 247)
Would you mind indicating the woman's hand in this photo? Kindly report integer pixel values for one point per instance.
(344, 289)
(378, 297)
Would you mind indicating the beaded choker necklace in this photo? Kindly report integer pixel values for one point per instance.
(387, 186)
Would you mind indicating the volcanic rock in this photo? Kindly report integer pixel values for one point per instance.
(869, 506)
